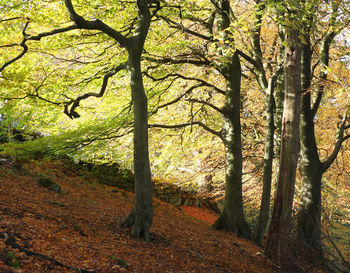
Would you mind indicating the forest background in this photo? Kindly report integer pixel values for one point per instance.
(45, 74)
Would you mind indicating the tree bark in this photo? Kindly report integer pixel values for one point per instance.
(279, 99)
(141, 216)
(232, 217)
(268, 88)
(267, 177)
(309, 216)
(278, 247)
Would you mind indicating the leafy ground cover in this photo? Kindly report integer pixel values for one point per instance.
(79, 228)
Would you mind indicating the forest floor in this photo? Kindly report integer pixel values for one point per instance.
(44, 231)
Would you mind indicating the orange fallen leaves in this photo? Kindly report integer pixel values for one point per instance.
(80, 228)
(202, 214)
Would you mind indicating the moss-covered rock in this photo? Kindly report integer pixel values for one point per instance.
(49, 184)
(114, 175)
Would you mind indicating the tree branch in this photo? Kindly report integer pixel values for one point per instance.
(324, 58)
(339, 141)
(27, 37)
(166, 60)
(208, 104)
(247, 57)
(188, 91)
(174, 24)
(256, 48)
(205, 83)
(183, 125)
(10, 19)
(75, 103)
(81, 23)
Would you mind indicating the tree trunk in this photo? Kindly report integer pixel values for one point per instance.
(141, 216)
(279, 98)
(309, 216)
(267, 178)
(278, 243)
(232, 217)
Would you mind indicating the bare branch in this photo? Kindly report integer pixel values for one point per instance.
(24, 51)
(49, 33)
(9, 19)
(208, 104)
(165, 60)
(205, 83)
(33, 37)
(176, 25)
(188, 91)
(183, 125)
(75, 103)
(339, 141)
(81, 23)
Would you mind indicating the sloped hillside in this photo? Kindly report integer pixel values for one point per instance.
(77, 230)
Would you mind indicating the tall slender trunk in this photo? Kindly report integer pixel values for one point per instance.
(267, 177)
(309, 216)
(278, 243)
(268, 88)
(279, 98)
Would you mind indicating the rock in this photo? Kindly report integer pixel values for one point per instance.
(114, 175)
(49, 184)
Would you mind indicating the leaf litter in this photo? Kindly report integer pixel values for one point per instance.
(79, 229)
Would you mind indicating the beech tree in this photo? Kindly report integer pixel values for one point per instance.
(232, 216)
(311, 165)
(141, 216)
(278, 244)
(270, 81)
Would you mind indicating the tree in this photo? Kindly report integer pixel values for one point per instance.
(311, 165)
(232, 216)
(278, 247)
(141, 216)
(268, 85)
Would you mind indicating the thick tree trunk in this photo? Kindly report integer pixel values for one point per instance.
(278, 243)
(141, 216)
(232, 217)
(309, 216)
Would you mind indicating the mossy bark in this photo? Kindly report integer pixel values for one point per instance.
(232, 217)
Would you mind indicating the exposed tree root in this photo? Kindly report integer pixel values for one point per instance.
(11, 241)
(139, 228)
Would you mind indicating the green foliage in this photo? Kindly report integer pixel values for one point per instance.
(11, 259)
(82, 144)
(120, 261)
